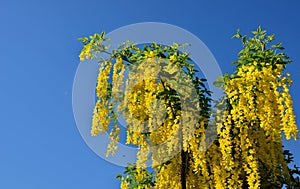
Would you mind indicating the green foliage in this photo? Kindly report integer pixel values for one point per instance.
(93, 44)
(132, 180)
(259, 48)
(294, 182)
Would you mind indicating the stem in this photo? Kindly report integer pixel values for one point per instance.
(183, 167)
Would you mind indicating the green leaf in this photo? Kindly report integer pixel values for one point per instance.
(83, 39)
(119, 176)
(237, 35)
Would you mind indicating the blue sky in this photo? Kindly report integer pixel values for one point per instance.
(40, 146)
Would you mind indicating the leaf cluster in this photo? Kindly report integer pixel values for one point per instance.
(294, 172)
(131, 174)
(95, 44)
(259, 47)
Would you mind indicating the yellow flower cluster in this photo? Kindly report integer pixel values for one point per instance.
(114, 136)
(159, 118)
(86, 52)
(101, 118)
(117, 85)
(261, 108)
(168, 176)
(117, 79)
(150, 54)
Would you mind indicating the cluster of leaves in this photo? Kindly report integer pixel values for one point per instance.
(259, 48)
(294, 172)
(93, 43)
(131, 177)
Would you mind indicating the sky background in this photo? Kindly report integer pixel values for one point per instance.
(40, 145)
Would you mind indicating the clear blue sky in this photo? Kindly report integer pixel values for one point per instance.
(40, 146)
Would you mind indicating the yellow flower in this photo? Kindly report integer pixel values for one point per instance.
(85, 52)
(173, 58)
(150, 54)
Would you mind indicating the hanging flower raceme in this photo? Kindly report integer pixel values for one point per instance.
(101, 118)
(260, 110)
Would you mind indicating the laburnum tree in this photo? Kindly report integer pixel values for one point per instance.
(169, 114)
